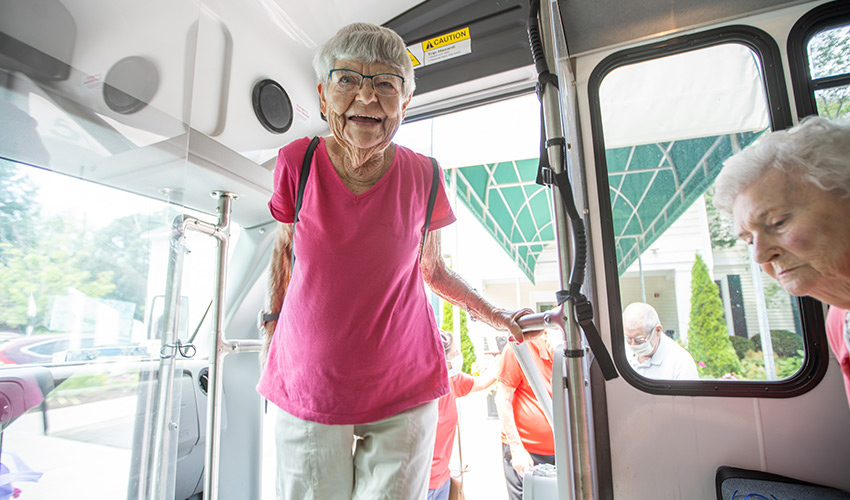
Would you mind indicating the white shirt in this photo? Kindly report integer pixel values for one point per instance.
(670, 362)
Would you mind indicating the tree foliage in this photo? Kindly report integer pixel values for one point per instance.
(719, 226)
(43, 257)
(708, 338)
(466, 346)
(47, 269)
(829, 55)
(18, 214)
(121, 249)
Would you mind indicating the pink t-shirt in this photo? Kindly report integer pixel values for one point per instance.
(357, 339)
(835, 325)
(461, 385)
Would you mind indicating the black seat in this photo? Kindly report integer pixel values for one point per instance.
(739, 484)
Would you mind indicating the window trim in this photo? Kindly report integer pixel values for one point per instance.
(814, 335)
(829, 15)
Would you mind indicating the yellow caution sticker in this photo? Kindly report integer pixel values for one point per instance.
(447, 39)
(413, 59)
(440, 48)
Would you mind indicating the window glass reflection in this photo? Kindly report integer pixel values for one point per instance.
(669, 124)
(83, 270)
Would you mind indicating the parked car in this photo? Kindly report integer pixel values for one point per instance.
(7, 336)
(52, 348)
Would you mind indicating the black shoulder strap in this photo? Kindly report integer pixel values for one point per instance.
(302, 183)
(432, 198)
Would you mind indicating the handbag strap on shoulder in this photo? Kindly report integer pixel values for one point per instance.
(432, 198)
(302, 184)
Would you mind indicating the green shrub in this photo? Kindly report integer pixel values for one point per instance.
(786, 367)
(466, 346)
(785, 343)
(742, 345)
(708, 338)
(753, 366)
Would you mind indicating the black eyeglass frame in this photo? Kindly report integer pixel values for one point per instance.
(634, 340)
(370, 77)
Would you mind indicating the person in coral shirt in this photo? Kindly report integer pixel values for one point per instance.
(527, 438)
(461, 384)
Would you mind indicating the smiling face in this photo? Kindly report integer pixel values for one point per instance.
(362, 119)
(799, 235)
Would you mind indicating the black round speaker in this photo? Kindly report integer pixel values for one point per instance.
(130, 84)
(272, 106)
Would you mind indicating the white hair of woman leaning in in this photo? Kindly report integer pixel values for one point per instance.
(789, 196)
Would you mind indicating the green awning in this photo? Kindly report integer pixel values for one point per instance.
(515, 210)
(650, 186)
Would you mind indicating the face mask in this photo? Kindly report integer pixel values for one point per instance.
(454, 365)
(644, 349)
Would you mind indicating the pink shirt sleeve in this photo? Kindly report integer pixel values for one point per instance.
(286, 172)
(442, 215)
(835, 335)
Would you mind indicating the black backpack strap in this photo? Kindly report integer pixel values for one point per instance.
(432, 198)
(302, 184)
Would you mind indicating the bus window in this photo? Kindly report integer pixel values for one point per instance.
(819, 56)
(829, 56)
(668, 123)
(82, 277)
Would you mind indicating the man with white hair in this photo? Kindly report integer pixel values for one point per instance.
(651, 353)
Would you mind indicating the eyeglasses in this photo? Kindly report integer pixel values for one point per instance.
(639, 340)
(348, 81)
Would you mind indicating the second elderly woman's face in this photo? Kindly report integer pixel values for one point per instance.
(363, 119)
(798, 233)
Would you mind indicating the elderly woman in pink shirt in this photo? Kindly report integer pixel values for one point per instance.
(356, 356)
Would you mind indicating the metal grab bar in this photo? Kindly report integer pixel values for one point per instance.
(215, 385)
(158, 473)
(578, 473)
(156, 478)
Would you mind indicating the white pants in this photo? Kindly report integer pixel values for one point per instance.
(391, 458)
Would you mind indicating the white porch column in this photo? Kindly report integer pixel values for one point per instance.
(682, 283)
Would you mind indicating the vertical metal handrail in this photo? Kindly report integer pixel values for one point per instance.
(220, 346)
(160, 473)
(579, 471)
(156, 475)
(214, 383)
(157, 481)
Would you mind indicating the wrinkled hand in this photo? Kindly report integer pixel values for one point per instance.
(520, 460)
(516, 330)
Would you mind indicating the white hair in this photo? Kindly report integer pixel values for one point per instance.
(366, 43)
(640, 315)
(816, 151)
